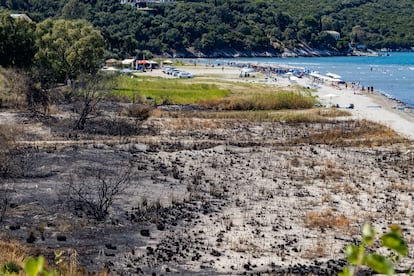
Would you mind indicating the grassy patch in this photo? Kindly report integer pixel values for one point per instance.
(315, 115)
(276, 100)
(326, 220)
(175, 91)
(361, 132)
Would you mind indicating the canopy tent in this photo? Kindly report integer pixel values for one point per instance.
(247, 70)
(112, 61)
(127, 61)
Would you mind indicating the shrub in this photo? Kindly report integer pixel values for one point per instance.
(93, 190)
(260, 101)
(14, 86)
(326, 219)
(364, 255)
(139, 112)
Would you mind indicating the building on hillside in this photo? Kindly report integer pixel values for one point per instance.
(21, 16)
(138, 2)
(334, 34)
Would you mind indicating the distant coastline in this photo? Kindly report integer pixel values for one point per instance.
(302, 51)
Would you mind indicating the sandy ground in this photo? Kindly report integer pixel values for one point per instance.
(370, 106)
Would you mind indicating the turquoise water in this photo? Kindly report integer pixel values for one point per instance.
(391, 75)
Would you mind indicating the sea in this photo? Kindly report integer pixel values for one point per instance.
(391, 74)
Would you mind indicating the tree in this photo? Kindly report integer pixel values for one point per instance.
(308, 26)
(94, 190)
(7, 166)
(17, 47)
(89, 92)
(68, 48)
(75, 9)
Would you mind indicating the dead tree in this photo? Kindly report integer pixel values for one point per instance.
(5, 197)
(92, 191)
(89, 92)
(7, 166)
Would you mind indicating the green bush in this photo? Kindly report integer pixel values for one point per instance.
(364, 254)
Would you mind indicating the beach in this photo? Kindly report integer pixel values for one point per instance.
(370, 106)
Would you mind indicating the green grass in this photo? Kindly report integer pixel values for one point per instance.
(175, 91)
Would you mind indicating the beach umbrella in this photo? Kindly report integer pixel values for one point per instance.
(334, 76)
(329, 96)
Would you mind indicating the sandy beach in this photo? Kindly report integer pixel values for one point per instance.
(370, 106)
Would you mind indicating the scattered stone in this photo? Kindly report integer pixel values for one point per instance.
(61, 238)
(110, 246)
(14, 227)
(31, 238)
(145, 232)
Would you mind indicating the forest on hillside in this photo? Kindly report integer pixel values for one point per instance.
(211, 27)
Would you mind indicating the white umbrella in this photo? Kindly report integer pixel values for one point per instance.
(329, 96)
(334, 76)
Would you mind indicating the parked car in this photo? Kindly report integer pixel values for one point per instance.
(166, 69)
(175, 72)
(183, 75)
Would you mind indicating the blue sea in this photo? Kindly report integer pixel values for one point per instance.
(391, 73)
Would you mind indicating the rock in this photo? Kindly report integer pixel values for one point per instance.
(140, 147)
(215, 253)
(31, 238)
(150, 250)
(160, 226)
(110, 246)
(101, 146)
(61, 238)
(145, 232)
(14, 227)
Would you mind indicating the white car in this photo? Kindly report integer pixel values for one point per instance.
(186, 75)
(175, 72)
(166, 69)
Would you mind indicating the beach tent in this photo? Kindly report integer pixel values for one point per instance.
(127, 62)
(112, 61)
(167, 61)
(247, 70)
(153, 64)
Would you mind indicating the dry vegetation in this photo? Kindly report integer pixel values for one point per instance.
(225, 192)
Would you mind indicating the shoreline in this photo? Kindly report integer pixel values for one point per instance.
(372, 106)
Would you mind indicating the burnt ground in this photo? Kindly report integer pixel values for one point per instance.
(211, 196)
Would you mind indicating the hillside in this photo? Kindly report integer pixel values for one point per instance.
(254, 27)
